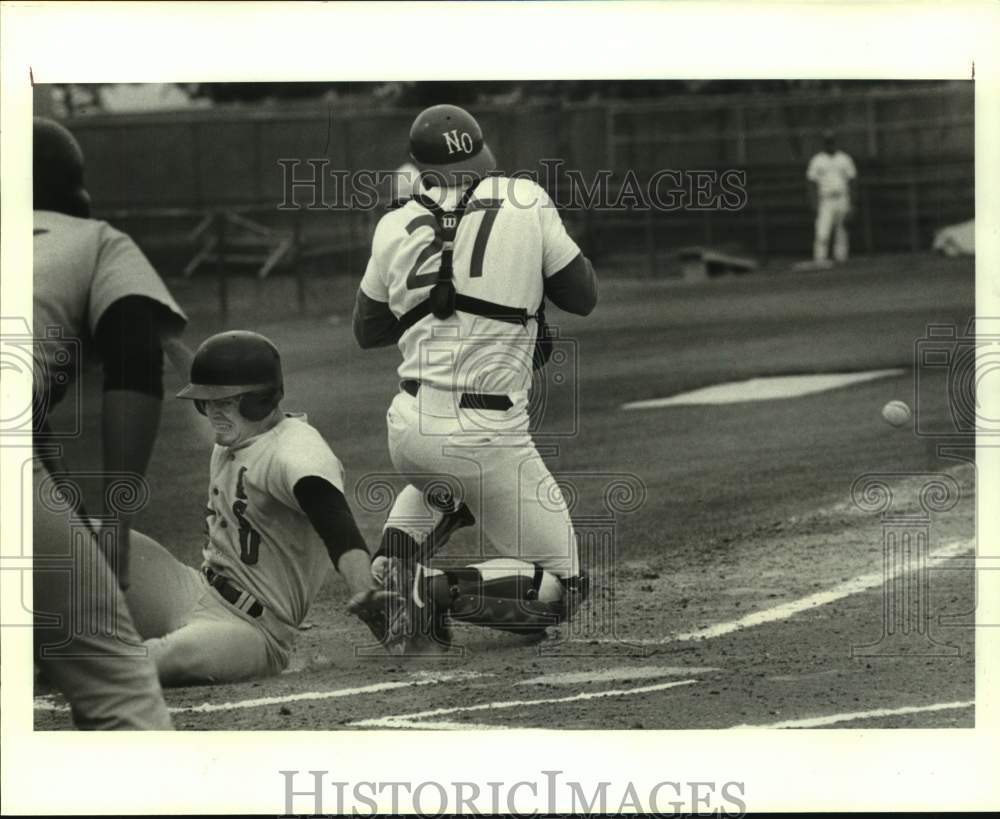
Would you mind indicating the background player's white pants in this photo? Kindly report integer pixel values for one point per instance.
(92, 653)
(500, 476)
(830, 220)
(193, 635)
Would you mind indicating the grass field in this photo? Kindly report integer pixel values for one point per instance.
(739, 585)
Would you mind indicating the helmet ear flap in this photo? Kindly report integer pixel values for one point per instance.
(78, 203)
(256, 406)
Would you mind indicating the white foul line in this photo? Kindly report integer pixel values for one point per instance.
(819, 722)
(764, 388)
(407, 720)
(376, 688)
(793, 607)
(620, 674)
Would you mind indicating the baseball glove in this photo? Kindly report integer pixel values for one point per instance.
(373, 608)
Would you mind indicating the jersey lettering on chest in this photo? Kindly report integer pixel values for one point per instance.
(249, 537)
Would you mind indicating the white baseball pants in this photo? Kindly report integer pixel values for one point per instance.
(831, 213)
(488, 460)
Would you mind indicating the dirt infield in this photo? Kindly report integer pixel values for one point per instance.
(744, 581)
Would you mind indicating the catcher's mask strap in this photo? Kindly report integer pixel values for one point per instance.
(442, 296)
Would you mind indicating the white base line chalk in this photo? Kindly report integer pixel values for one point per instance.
(832, 719)
(620, 674)
(767, 388)
(395, 720)
(376, 688)
(793, 607)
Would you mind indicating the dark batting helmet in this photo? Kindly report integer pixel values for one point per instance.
(233, 363)
(446, 141)
(57, 170)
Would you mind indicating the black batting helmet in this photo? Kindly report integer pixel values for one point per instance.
(237, 362)
(57, 170)
(446, 140)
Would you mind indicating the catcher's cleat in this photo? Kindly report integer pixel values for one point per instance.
(450, 523)
(461, 517)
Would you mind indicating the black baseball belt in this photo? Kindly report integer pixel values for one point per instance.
(469, 400)
(231, 594)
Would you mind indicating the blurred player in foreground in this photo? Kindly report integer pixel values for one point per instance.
(94, 291)
(276, 515)
(457, 279)
(831, 174)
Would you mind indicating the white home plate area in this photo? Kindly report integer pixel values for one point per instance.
(763, 389)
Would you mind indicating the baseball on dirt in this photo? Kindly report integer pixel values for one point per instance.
(897, 413)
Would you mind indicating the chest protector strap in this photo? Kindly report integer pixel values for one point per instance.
(443, 301)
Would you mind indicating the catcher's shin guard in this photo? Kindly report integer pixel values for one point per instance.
(507, 605)
(430, 632)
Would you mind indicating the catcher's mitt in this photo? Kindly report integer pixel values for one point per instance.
(374, 607)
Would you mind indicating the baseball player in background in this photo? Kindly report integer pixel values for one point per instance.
(831, 174)
(457, 279)
(94, 292)
(275, 516)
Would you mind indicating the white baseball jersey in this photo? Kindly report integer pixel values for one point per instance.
(510, 237)
(81, 267)
(258, 535)
(831, 172)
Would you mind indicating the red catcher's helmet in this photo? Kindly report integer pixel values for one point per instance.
(446, 141)
(237, 362)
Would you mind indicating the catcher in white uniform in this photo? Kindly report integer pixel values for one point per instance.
(457, 278)
(275, 517)
(831, 174)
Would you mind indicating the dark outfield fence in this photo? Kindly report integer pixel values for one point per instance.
(158, 174)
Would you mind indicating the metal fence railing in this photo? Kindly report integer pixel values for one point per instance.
(914, 148)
